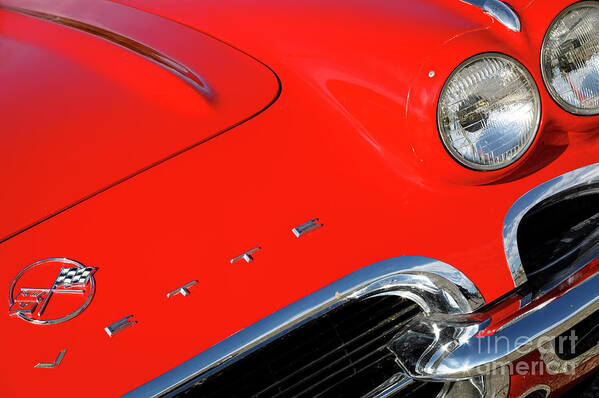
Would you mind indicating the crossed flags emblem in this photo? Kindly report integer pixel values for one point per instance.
(28, 298)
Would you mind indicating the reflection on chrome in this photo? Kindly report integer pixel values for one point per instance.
(584, 176)
(455, 347)
(556, 365)
(500, 11)
(434, 285)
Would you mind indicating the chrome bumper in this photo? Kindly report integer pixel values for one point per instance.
(442, 347)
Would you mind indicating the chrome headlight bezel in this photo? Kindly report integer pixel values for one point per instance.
(546, 80)
(538, 108)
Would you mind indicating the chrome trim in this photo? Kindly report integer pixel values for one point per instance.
(247, 256)
(540, 387)
(584, 176)
(556, 365)
(432, 292)
(500, 11)
(50, 365)
(183, 290)
(402, 273)
(88, 300)
(306, 227)
(391, 387)
(494, 385)
(441, 347)
(119, 326)
(59, 291)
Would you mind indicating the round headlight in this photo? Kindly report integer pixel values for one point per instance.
(489, 112)
(570, 58)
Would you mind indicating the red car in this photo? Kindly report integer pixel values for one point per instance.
(315, 198)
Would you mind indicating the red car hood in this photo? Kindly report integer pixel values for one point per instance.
(318, 151)
(90, 100)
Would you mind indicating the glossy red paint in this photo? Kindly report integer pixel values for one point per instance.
(350, 140)
(81, 112)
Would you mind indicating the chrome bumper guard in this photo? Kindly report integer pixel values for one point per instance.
(455, 347)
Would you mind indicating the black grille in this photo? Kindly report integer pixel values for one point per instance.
(340, 354)
(559, 234)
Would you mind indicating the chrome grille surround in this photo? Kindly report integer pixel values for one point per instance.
(587, 175)
(436, 346)
(434, 285)
(582, 177)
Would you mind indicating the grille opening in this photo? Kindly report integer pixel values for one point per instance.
(342, 353)
(579, 339)
(558, 232)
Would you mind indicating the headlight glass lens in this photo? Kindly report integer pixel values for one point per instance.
(570, 58)
(489, 112)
